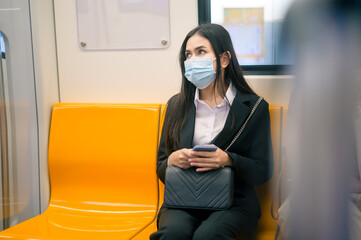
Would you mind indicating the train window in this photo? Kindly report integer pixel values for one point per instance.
(255, 27)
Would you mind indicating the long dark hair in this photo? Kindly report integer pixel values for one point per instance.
(221, 42)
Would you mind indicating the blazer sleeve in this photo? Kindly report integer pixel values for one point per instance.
(162, 156)
(255, 166)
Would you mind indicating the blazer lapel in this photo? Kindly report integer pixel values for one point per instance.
(187, 132)
(240, 111)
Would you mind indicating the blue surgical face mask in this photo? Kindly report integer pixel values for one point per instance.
(199, 71)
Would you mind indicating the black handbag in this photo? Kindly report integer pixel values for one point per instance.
(212, 190)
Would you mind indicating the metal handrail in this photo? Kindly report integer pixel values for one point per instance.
(4, 152)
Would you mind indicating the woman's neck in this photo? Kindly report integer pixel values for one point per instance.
(211, 95)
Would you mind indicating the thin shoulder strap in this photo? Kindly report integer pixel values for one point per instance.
(245, 123)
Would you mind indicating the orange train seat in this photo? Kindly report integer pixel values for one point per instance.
(69, 217)
(267, 226)
(102, 161)
(153, 226)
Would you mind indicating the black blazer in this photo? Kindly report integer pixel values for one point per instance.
(252, 153)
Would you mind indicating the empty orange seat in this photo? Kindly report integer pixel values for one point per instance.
(102, 163)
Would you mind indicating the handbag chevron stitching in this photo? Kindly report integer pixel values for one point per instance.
(198, 190)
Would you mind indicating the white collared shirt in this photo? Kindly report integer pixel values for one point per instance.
(209, 121)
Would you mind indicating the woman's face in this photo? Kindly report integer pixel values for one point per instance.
(198, 46)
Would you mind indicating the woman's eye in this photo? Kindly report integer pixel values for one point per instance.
(188, 55)
(201, 52)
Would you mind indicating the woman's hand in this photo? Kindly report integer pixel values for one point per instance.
(205, 161)
(180, 158)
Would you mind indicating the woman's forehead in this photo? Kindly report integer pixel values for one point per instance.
(197, 41)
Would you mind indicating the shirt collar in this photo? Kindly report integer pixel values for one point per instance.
(230, 95)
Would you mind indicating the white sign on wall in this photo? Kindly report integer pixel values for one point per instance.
(123, 24)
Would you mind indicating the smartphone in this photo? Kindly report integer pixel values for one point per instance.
(205, 148)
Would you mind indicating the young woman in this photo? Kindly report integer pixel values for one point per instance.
(213, 103)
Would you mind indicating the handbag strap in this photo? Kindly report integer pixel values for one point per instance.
(245, 123)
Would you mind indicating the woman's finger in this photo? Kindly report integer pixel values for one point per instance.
(204, 169)
(207, 165)
(202, 154)
(202, 160)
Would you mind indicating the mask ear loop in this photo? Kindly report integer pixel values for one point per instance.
(220, 55)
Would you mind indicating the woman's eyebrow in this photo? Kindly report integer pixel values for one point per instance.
(200, 47)
(197, 48)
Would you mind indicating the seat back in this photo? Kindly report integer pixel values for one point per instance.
(104, 154)
(161, 185)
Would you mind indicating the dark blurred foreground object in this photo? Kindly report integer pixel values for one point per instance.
(325, 37)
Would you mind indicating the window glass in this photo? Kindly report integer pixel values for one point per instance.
(255, 27)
